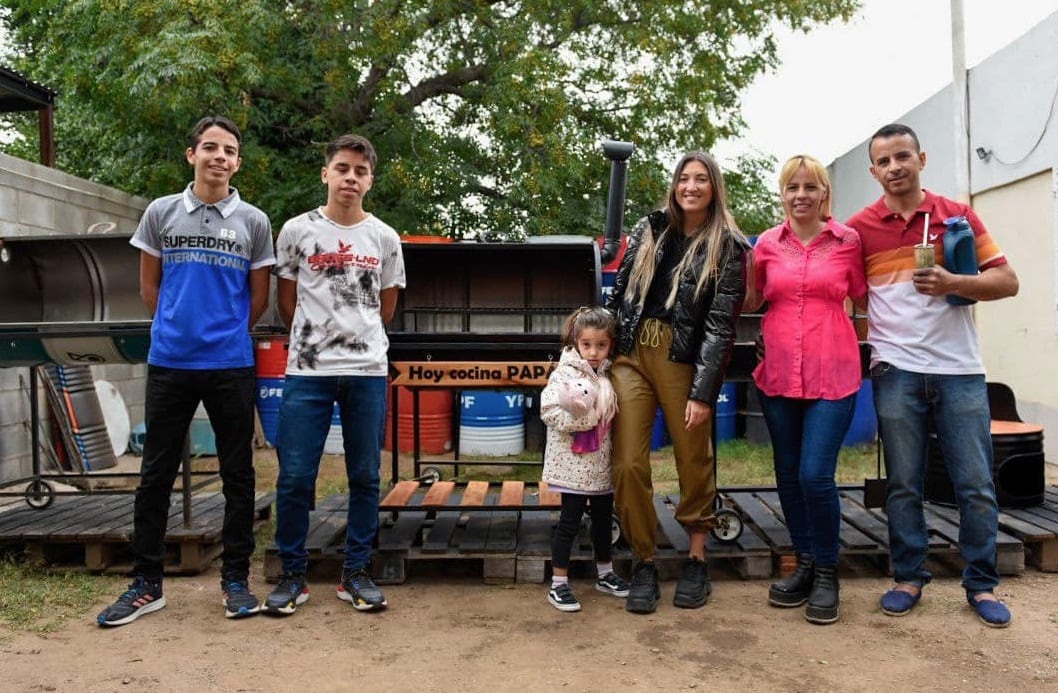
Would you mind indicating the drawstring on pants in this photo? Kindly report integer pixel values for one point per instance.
(650, 333)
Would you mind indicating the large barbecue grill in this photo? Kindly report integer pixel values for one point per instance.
(503, 301)
(491, 301)
(73, 301)
(491, 314)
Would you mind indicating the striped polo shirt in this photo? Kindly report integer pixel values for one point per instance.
(913, 331)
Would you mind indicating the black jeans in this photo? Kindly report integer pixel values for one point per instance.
(172, 397)
(600, 509)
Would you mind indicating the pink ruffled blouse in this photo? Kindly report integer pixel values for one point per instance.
(810, 346)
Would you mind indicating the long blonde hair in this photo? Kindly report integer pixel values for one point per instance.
(718, 224)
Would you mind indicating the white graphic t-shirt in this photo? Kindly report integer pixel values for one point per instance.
(340, 271)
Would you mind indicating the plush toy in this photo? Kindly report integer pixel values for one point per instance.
(578, 397)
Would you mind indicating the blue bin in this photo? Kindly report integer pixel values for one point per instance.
(491, 422)
(725, 412)
(606, 287)
(864, 427)
(335, 442)
(659, 436)
(203, 440)
(269, 397)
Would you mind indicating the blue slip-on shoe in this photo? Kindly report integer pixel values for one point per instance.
(899, 602)
(993, 614)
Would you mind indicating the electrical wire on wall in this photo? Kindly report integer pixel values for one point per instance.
(1036, 144)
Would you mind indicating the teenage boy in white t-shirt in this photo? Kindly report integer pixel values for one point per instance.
(340, 270)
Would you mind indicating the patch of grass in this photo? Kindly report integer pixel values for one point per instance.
(497, 472)
(739, 463)
(37, 601)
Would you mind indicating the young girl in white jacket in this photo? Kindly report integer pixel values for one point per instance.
(577, 406)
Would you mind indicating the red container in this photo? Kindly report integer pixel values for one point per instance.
(435, 421)
(271, 357)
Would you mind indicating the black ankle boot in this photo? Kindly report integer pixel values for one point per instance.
(823, 601)
(644, 592)
(794, 590)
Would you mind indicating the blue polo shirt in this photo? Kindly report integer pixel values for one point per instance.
(207, 252)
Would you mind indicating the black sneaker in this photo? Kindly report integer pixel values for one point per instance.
(141, 598)
(239, 601)
(291, 591)
(612, 583)
(359, 589)
(644, 592)
(692, 591)
(562, 598)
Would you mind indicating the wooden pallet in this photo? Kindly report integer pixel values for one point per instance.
(507, 529)
(1037, 528)
(93, 532)
(864, 531)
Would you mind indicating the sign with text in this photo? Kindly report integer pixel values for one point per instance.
(472, 374)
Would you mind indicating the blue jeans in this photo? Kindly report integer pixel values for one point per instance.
(304, 419)
(958, 407)
(806, 435)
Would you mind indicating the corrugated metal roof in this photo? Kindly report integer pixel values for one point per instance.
(17, 93)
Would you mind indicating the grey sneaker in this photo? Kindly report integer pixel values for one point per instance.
(142, 597)
(359, 589)
(562, 598)
(239, 601)
(291, 592)
(612, 583)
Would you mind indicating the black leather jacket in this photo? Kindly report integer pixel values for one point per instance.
(703, 329)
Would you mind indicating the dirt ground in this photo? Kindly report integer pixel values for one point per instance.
(458, 634)
(445, 632)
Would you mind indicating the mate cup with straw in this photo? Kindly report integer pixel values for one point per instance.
(924, 256)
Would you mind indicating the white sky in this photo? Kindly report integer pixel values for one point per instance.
(840, 83)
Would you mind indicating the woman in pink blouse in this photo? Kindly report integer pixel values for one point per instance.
(805, 268)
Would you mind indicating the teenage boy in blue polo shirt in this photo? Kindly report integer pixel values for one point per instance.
(204, 274)
(340, 270)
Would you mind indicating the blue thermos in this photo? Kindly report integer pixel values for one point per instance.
(960, 253)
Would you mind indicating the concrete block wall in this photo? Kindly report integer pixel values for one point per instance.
(15, 459)
(39, 201)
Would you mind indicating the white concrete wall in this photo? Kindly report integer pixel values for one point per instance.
(1020, 335)
(1010, 100)
(855, 188)
(39, 201)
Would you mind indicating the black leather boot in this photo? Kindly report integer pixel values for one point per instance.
(794, 590)
(823, 601)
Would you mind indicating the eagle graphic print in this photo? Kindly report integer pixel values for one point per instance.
(336, 328)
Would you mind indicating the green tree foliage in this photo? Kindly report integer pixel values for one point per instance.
(488, 115)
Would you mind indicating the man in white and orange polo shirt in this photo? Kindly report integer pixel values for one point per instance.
(926, 365)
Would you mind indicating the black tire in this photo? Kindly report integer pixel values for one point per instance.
(39, 494)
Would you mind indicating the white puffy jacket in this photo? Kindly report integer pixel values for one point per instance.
(588, 472)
